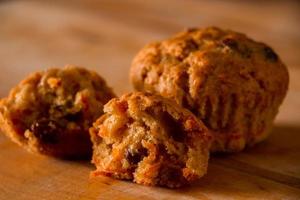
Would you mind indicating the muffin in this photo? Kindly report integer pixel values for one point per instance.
(150, 140)
(50, 112)
(234, 84)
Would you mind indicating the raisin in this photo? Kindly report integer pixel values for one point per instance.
(270, 54)
(73, 116)
(231, 43)
(135, 157)
(46, 130)
(69, 104)
(189, 46)
(244, 51)
(173, 127)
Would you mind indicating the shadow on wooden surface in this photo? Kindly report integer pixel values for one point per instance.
(273, 166)
(276, 159)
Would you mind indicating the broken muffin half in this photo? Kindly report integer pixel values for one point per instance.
(50, 112)
(150, 140)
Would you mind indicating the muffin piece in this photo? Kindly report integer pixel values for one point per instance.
(233, 84)
(150, 140)
(51, 111)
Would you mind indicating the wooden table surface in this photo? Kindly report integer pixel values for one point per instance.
(104, 36)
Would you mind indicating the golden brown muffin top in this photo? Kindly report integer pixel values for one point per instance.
(197, 61)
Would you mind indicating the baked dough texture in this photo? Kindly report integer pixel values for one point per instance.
(51, 111)
(150, 140)
(234, 84)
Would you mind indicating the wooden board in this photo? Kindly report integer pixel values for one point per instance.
(104, 36)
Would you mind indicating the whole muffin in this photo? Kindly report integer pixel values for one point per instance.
(150, 140)
(234, 84)
(50, 112)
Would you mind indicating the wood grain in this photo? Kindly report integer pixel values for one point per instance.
(105, 35)
(39, 177)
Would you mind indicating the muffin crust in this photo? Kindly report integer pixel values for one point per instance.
(234, 84)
